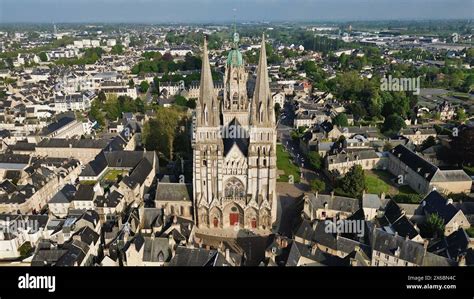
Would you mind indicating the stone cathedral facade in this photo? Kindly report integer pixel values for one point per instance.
(234, 148)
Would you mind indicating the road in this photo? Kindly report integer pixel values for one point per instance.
(284, 127)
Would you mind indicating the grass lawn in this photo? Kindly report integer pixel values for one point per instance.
(375, 184)
(379, 181)
(285, 164)
(112, 174)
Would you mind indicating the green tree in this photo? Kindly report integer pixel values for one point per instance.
(315, 159)
(191, 103)
(317, 185)
(139, 105)
(144, 85)
(43, 57)
(340, 120)
(25, 249)
(117, 49)
(353, 183)
(461, 115)
(393, 124)
(131, 84)
(96, 113)
(112, 108)
(102, 97)
(156, 86)
(180, 101)
(435, 225)
(159, 133)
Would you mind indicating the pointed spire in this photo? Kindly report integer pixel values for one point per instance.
(207, 101)
(262, 108)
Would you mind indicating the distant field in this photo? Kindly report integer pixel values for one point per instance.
(285, 164)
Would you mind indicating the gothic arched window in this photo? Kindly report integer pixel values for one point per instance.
(234, 188)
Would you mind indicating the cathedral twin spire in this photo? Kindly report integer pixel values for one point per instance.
(208, 105)
(261, 107)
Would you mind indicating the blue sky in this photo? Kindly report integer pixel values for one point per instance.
(163, 11)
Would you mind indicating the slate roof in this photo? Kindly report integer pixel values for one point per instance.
(47, 257)
(139, 174)
(73, 143)
(352, 156)
(111, 200)
(319, 257)
(14, 159)
(194, 257)
(116, 159)
(173, 192)
(156, 247)
(65, 195)
(87, 235)
(85, 192)
(387, 243)
(339, 203)
(76, 252)
(451, 246)
(152, 217)
(436, 203)
(57, 125)
(414, 161)
(394, 219)
(242, 143)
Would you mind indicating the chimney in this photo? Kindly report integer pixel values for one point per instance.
(462, 260)
(382, 196)
(332, 194)
(425, 245)
(227, 254)
(449, 201)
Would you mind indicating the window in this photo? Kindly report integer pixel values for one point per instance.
(234, 188)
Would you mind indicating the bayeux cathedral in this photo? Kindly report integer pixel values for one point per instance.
(234, 148)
